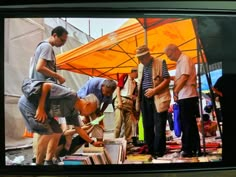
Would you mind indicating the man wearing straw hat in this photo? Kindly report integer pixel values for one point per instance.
(153, 99)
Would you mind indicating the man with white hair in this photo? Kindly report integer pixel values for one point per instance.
(186, 95)
(55, 101)
(103, 89)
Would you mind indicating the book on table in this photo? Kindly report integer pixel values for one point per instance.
(116, 149)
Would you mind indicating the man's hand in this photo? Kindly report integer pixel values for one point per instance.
(149, 93)
(134, 97)
(61, 79)
(98, 143)
(133, 118)
(176, 98)
(41, 115)
(119, 105)
(86, 120)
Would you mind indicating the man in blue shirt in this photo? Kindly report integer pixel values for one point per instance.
(103, 89)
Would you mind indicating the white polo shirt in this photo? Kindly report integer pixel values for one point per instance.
(128, 88)
(186, 66)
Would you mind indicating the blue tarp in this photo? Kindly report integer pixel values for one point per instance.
(214, 76)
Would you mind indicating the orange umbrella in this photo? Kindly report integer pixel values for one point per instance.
(114, 53)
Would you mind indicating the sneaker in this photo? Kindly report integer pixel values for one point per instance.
(48, 162)
(197, 153)
(34, 160)
(186, 154)
(157, 154)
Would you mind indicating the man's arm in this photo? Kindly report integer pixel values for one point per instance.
(84, 90)
(153, 91)
(40, 112)
(41, 67)
(179, 84)
(165, 83)
(83, 134)
(217, 91)
(118, 97)
(104, 107)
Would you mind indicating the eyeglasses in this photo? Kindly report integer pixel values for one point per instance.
(62, 40)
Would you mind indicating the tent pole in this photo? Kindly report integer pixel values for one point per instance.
(211, 91)
(145, 37)
(199, 82)
(145, 32)
(208, 77)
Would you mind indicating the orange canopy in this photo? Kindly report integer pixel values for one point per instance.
(114, 53)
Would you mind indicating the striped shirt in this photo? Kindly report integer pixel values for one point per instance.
(147, 75)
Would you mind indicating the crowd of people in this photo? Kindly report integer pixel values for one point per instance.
(61, 118)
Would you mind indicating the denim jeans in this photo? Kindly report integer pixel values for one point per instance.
(28, 111)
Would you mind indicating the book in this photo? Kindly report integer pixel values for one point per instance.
(139, 157)
(73, 162)
(77, 160)
(93, 157)
(98, 154)
(93, 149)
(161, 161)
(116, 149)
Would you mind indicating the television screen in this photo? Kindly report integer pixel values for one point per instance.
(102, 42)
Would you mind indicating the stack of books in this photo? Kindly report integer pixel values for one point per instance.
(77, 159)
(116, 148)
(99, 155)
(89, 156)
(113, 152)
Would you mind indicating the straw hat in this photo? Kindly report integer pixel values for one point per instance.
(142, 50)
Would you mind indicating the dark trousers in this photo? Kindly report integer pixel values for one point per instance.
(219, 115)
(190, 134)
(170, 120)
(154, 125)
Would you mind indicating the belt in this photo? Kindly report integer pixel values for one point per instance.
(126, 97)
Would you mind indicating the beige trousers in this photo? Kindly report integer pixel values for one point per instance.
(123, 119)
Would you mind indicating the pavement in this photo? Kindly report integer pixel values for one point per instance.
(24, 154)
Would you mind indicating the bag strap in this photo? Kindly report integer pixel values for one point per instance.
(32, 60)
(125, 79)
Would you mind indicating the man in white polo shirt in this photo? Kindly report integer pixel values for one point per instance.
(186, 95)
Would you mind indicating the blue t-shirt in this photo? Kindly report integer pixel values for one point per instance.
(94, 86)
(43, 51)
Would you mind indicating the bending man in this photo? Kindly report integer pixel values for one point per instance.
(55, 101)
